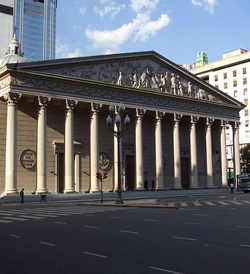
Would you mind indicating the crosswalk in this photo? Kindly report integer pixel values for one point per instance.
(12, 215)
(207, 203)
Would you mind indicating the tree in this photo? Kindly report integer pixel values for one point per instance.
(245, 158)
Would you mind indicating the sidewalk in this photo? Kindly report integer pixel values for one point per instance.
(109, 198)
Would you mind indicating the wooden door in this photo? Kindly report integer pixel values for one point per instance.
(185, 173)
(130, 171)
(61, 173)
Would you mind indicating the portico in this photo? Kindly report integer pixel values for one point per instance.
(175, 133)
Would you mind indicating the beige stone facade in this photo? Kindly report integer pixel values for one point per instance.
(54, 137)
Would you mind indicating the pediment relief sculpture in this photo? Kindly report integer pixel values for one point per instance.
(146, 74)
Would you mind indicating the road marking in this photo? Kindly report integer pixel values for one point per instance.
(60, 223)
(196, 203)
(150, 220)
(245, 246)
(5, 221)
(188, 223)
(94, 254)
(14, 236)
(222, 203)
(7, 214)
(15, 219)
(187, 239)
(247, 202)
(47, 244)
(243, 226)
(171, 204)
(30, 217)
(165, 270)
(184, 204)
(88, 214)
(210, 203)
(89, 226)
(236, 203)
(127, 231)
(197, 214)
(115, 217)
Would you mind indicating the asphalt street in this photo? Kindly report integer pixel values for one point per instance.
(207, 234)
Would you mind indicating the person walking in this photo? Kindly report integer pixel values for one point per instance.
(22, 196)
(232, 187)
(146, 184)
(153, 185)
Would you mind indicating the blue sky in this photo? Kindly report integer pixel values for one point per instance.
(176, 29)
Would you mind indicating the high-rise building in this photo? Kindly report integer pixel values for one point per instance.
(34, 22)
(232, 76)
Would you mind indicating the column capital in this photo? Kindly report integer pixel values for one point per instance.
(193, 119)
(235, 124)
(70, 104)
(43, 101)
(209, 121)
(176, 117)
(159, 115)
(139, 112)
(223, 123)
(95, 107)
(12, 97)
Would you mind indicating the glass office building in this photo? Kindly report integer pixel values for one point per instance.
(34, 22)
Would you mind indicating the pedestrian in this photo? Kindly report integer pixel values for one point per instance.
(232, 187)
(153, 185)
(146, 184)
(22, 196)
(126, 185)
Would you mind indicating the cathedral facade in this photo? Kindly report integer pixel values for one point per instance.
(54, 136)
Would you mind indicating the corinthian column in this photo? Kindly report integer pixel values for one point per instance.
(94, 146)
(139, 149)
(177, 155)
(236, 126)
(158, 150)
(223, 155)
(193, 154)
(42, 144)
(209, 154)
(69, 146)
(11, 143)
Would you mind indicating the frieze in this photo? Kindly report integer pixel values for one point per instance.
(166, 103)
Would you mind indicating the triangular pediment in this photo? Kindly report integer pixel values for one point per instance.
(137, 70)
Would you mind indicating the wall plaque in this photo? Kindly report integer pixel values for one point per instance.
(28, 159)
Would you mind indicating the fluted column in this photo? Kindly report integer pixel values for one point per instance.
(11, 143)
(94, 146)
(223, 155)
(69, 146)
(177, 155)
(236, 126)
(42, 144)
(209, 153)
(193, 153)
(139, 162)
(158, 150)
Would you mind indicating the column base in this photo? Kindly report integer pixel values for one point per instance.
(9, 192)
(93, 190)
(69, 191)
(193, 187)
(39, 191)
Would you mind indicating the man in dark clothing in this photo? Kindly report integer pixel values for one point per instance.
(22, 195)
(146, 184)
(153, 185)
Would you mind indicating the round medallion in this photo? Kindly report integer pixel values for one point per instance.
(103, 161)
(28, 159)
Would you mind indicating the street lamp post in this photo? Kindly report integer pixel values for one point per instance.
(118, 133)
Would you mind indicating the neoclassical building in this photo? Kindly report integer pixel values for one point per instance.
(54, 135)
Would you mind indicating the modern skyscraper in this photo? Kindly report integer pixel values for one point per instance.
(34, 22)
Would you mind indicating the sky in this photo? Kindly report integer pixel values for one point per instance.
(176, 29)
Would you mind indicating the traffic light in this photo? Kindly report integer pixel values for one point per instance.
(104, 175)
(99, 175)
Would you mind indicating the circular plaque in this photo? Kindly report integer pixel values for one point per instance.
(28, 159)
(103, 161)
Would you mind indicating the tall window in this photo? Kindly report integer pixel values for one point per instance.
(244, 81)
(234, 73)
(215, 78)
(245, 91)
(217, 86)
(225, 75)
(244, 70)
(235, 93)
(235, 83)
(246, 102)
(246, 112)
(246, 123)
